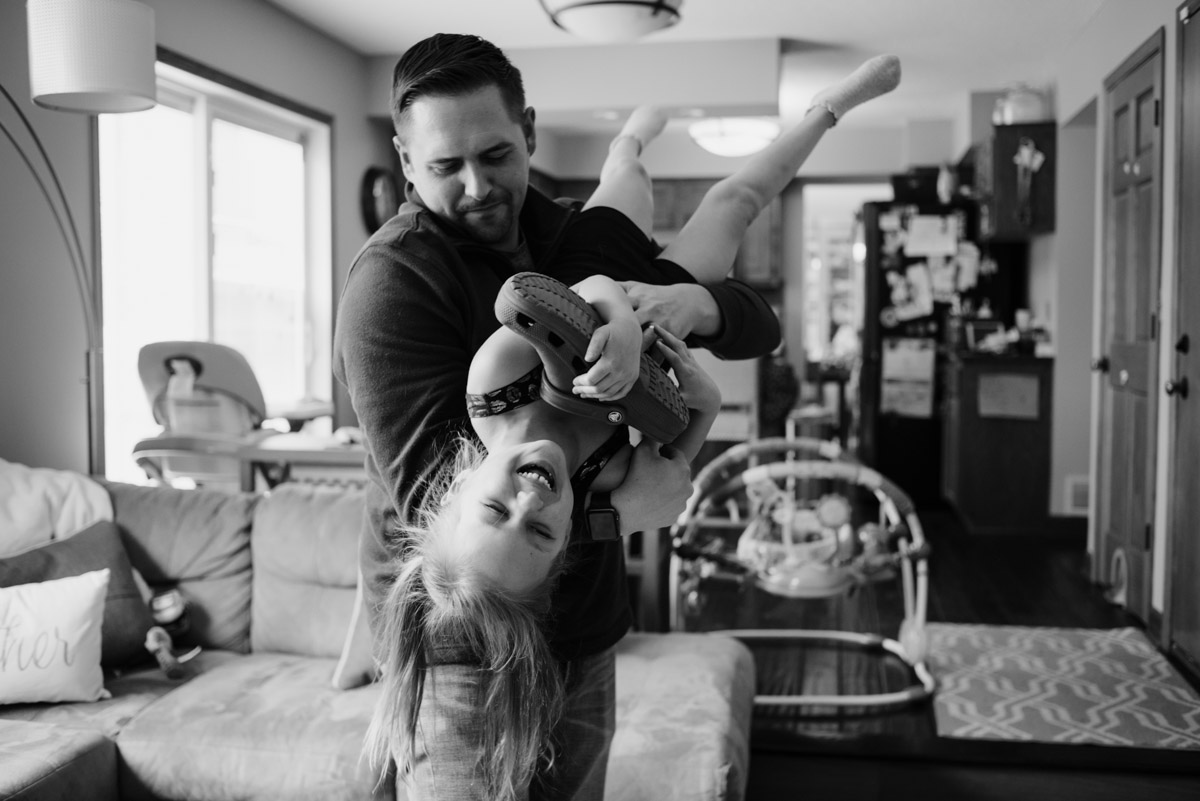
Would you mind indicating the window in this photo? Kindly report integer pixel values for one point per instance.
(215, 225)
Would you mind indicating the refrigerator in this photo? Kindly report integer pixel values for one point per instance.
(924, 272)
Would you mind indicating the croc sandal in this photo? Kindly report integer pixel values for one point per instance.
(559, 325)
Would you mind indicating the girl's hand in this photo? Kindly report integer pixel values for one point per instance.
(616, 349)
(699, 391)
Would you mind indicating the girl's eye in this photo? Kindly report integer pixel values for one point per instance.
(497, 508)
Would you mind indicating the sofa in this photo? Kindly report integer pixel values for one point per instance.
(274, 705)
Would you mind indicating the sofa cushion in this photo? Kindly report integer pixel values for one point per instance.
(50, 639)
(198, 541)
(41, 504)
(46, 763)
(262, 726)
(684, 703)
(126, 615)
(305, 547)
(131, 693)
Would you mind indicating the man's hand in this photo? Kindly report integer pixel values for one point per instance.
(682, 309)
(697, 387)
(656, 488)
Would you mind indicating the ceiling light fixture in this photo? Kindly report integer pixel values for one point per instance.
(612, 20)
(733, 136)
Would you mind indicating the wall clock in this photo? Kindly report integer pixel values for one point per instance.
(379, 197)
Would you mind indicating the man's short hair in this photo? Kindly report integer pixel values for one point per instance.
(449, 64)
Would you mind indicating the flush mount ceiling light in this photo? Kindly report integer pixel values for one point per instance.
(733, 136)
(612, 20)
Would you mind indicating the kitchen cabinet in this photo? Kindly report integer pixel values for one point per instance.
(1014, 181)
(996, 441)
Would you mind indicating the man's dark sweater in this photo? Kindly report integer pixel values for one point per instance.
(417, 304)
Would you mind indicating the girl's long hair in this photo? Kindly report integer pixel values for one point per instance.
(437, 598)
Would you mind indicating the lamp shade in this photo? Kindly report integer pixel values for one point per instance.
(94, 56)
(733, 136)
(612, 20)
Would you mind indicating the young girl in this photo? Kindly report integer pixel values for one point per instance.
(474, 585)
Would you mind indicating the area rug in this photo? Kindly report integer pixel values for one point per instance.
(1080, 686)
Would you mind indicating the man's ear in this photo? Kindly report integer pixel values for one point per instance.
(405, 161)
(528, 129)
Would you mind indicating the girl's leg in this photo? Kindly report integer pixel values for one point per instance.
(624, 182)
(710, 239)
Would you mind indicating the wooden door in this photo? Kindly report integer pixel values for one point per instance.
(1130, 320)
(1183, 547)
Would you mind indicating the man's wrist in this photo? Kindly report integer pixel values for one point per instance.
(707, 320)
(602, 518)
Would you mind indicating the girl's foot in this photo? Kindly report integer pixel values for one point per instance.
(559, 325)
(875, 77)
(643, 126)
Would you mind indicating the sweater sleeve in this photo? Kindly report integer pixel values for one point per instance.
(749, 327)
(403, 355)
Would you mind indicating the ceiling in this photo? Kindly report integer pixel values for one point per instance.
(948, 48)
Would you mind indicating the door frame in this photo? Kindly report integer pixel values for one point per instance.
(1187, 9)
(1154, 45)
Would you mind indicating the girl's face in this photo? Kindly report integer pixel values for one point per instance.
(515, 513)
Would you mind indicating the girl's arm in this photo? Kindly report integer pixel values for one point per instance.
(615, 347)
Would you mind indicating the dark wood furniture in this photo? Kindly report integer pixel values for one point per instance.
(1034, 579)
(1014, 203)
(996, 441)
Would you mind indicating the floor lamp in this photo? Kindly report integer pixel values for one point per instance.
(92, 57)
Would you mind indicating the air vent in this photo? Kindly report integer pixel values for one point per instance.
(1078, 495)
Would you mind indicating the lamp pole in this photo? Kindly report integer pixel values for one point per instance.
(90, 57)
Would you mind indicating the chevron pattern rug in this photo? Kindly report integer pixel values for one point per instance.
(1093, 686)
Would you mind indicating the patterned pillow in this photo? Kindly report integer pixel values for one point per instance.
(50, 640)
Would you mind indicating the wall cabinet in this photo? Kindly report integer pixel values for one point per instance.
(1014, 181)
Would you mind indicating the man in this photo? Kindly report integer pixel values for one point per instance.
(418, 303)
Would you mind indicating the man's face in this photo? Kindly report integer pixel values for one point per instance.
(469, 161)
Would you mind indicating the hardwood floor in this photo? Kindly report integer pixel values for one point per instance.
(1035, 580)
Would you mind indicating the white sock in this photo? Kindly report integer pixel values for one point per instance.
(645, 123)
(873, 78)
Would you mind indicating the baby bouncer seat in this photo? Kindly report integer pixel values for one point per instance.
(796, 520)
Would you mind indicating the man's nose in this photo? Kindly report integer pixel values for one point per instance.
(529, 501)
(476, 183)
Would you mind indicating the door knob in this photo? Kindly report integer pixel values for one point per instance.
(1177, 387)
(1123, 377)
(1183, 343)
(1125, 167)
(1100, 364)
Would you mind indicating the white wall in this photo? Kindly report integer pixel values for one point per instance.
(1116, 30)
(42, 405)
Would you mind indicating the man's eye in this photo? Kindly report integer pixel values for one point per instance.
(442, 169)
(496, 158)
(542, 532)
(499, 510)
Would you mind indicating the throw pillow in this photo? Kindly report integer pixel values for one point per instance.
(356, 666)
(126, 616)
(50, 640)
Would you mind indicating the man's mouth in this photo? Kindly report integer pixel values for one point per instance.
(539, 474)
(482, 208)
